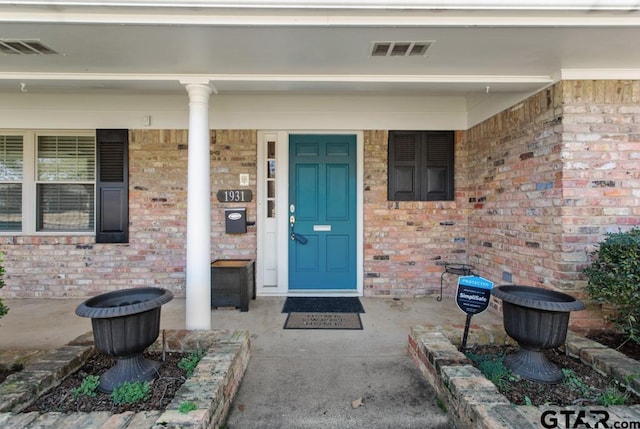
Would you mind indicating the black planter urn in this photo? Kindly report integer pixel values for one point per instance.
(125, 323)
(538, 320)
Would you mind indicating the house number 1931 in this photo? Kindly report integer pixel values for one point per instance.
(234, 196)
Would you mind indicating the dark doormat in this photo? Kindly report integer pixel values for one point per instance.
(303, 304)
(316, 320)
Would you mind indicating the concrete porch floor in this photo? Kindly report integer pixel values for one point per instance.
(295, 378)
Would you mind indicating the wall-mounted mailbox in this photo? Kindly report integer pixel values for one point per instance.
(235, 220)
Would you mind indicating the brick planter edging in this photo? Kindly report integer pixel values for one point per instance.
(472, 401)
(211, 388)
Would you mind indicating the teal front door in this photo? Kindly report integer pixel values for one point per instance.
(322, 212)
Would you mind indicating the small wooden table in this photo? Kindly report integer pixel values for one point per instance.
(232, 283)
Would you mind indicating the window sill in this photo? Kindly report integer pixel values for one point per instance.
(47, 238)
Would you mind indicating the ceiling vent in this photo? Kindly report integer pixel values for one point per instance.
(399, 49)
(24, 47)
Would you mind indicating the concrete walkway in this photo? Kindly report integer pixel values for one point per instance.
(296, 378)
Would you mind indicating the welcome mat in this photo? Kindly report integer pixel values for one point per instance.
(303, 304)
(315, 320)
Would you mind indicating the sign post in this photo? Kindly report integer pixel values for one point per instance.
(472, 297)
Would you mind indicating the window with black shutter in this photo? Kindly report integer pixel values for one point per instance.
(112, 186)
(420, 165)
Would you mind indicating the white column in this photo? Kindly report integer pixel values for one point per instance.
(198, 264)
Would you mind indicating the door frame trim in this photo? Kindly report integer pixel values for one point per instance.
(282, 217)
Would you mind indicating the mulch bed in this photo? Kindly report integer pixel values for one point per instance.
(5, 372)
(581, 388)
(616, 341)
(171, 378)
(163, 389)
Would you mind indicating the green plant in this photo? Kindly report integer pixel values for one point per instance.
(187, 406)
(88, 387)
(629, 378)
(189, 363)
(3, 308)
(575, 382)
(131, 393)
(614, 278)
(612, 396)
(441, 405)
(493, 368)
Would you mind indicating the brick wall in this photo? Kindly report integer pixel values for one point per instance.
(601, 176)
(549, 178)
(515, 194)
(233, 152)
(60, 266)
(537, 186)
(406, 242)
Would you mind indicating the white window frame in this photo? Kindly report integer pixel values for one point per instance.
(29, 182)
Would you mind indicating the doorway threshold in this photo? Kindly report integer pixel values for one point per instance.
(323, 292)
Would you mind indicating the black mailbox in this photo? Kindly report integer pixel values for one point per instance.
(235, 221)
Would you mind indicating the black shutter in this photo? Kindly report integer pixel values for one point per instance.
(404, 153)
(421, 165)
(438, 167)
(112, 186)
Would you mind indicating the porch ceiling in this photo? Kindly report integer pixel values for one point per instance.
(142, 49)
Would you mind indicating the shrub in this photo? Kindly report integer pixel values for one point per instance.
(614, 278)
(3, 308)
